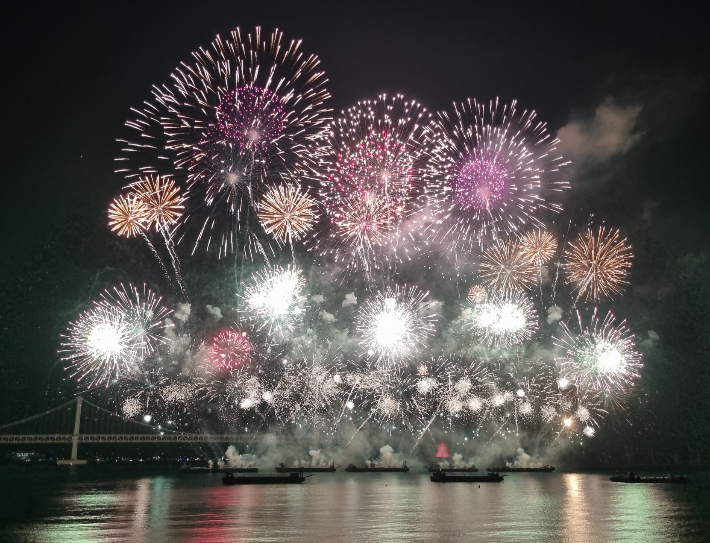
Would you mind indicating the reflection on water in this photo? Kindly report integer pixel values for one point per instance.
(185, 508)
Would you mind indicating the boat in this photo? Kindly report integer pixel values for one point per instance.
(541, 469)
(266, 479)
(205, 469)
(631, 478)
(442, 477)
(373, 469)
(283, 468)
(469, 469)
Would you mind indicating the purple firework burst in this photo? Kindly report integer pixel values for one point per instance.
(480, 179)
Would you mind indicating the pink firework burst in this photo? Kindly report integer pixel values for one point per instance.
(230, 349)
(251, 117)
(379, 165)
(480, 180)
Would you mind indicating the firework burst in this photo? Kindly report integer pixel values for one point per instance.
(274, 297)
(372, 169)
(494, 169)
(161, 199)
(476, 294)
(601, 357)
(311, 392)
(122, 329)
(230, 349)
(395, 324)
(524, 389)
(505, 267)
(287, 213)
(503, 320)
(244, 112)
(127, 216)
(538, 246)
(597, 264)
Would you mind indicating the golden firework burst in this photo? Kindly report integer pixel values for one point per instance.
(538, 246)
(505, 268)
(161, 198)
(597, 263)
(127, 216)
(287, 213)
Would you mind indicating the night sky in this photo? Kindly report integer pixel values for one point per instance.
(627, 84)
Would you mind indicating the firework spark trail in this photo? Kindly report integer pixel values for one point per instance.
(597, 265)
(129, 216)
(163, 206)
(493, 169)
(152, 248)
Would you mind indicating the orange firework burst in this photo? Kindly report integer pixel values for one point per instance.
(162, 200)
(127, 216)
(597, 264)
(538, 246)
(505, 268)
(287, 213)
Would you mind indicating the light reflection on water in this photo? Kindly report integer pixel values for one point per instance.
(186, 508)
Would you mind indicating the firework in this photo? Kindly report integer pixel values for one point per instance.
(503, 319)
(274, 297)
(525, 389)
(310, 391)
(384, 393)
(161, 200)
(493, 169)
(122, 329)
(372, 168)
(230, 349)
(476, 293)
(395, 324)
(287, 213)
(538, 246)
(449, 387)
(597, 264)
(243, 113)
(505, 267)
(237, 394)
(601, 357)
(127, 216)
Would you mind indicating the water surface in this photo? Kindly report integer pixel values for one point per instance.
(182, 508)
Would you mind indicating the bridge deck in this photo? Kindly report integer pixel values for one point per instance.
(142, 438)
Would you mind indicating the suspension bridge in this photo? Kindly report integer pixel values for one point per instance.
(80, 421)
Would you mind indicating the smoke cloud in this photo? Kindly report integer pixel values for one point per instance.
(214, 312)
(609, 133)
(182, 313)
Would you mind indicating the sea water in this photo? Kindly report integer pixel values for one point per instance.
(182, 508)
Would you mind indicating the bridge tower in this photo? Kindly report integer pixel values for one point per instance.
(74, 460)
